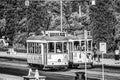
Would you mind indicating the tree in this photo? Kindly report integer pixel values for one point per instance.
(103, 22)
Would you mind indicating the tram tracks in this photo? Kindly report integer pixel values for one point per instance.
(24, 63)
(20, 68)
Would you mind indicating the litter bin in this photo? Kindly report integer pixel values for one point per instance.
(80, 76)
(116, 54)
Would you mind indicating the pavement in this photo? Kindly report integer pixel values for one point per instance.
(106, 62)
(9, 77)
(16, 56)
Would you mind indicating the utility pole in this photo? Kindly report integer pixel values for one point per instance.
(61, 15)
(27, 5)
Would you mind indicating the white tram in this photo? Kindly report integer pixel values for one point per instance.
(49, 50)
(80, 49)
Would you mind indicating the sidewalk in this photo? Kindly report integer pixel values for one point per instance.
(9, 77)
(108, 62)
(17, 55)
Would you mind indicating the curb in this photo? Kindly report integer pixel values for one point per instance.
(107, 66)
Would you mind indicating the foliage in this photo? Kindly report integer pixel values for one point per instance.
(101, 20)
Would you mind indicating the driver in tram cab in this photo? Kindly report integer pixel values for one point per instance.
(58, 50)
(83, 48)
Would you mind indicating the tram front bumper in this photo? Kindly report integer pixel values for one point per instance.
(56, 66)
(78, 64)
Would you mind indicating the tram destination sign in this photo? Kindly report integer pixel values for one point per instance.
(57, 34)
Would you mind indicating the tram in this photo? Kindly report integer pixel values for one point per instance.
(49, 50)
(80, 49)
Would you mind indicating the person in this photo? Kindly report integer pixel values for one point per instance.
(117, 54)
(58, 50)
(94, 53)
(98, 55)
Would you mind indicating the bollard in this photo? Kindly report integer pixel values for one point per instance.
(36, 74)
(30, 71)
(80, 76)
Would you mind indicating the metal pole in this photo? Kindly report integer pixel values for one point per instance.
(61, 13)
(102, 68)
(27, 5)
(80, 14)
(85, 61)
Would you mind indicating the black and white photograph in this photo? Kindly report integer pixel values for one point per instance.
(59, 39)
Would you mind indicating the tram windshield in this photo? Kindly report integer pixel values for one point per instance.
(76, 45)
(51, 47)
(57, 47)
(34, 48)
(83, 45)
(89, 45)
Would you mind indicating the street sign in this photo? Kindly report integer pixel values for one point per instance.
(26, 2)
(102, 47)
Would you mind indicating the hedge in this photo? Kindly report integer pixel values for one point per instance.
(17, 50)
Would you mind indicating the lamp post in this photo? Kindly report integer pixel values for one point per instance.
(27, 5)
(85, 34)
(61, 14)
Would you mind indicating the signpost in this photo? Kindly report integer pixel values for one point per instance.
(103, 50)
(102, 47)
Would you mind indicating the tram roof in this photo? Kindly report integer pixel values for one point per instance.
(47, 38)
(56, 38)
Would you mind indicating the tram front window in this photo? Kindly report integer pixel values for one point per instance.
(83, 45)
(51, 47)
(76, 45)
(65, 47)
(89, 45)
(58, 47)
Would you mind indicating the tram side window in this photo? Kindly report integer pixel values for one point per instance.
(65, 47)
(51, 47)
(76, 45)
(33, 45)
(70, 46)
(30, 48)
(38, 48)
(89, 45)
(59, 47)
(83, 45)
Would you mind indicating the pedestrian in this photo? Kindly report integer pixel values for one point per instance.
(94, 53)
(117, 54)
(98, 55)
